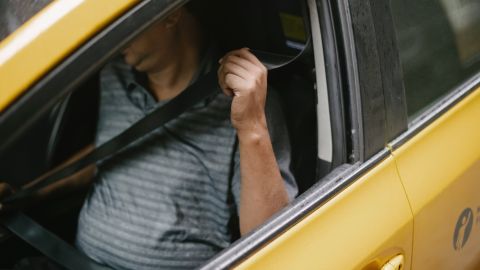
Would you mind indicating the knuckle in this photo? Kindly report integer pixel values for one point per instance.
(228, 65)
(251, 85)
(229, 56)
(257, 78)
(229, 79)
(261, 69)
(264, 69)
(256, 71)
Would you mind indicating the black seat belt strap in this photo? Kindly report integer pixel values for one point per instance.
(49, 244)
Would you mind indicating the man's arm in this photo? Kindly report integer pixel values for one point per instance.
(74, 182)
(263, 192)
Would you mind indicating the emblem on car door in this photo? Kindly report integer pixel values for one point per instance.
(463, 229)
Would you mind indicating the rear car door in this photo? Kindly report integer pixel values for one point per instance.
(438, 157)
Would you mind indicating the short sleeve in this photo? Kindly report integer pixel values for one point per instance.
(278, 131)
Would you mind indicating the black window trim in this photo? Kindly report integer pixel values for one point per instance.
(367, 93)
(391, 69)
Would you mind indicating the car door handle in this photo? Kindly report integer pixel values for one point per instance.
(396, 263)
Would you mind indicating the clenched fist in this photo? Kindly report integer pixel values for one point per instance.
(244, 77)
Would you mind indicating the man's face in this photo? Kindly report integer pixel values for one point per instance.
(147, 52)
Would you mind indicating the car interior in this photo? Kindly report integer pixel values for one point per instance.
(277, 27)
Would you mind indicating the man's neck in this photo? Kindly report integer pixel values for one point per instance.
(177, 74)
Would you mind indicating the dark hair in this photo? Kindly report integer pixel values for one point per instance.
(206, 12)
(195, 8)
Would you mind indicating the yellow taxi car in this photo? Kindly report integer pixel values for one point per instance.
(383, 107)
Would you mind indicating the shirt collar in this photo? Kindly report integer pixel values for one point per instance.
(136, 83)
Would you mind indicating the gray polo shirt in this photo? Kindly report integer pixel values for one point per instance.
(165, 203)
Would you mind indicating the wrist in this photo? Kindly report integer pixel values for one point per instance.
(253, 135)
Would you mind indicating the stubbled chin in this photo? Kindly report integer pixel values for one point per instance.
(135, 63)
(128, 60)
(139, 67)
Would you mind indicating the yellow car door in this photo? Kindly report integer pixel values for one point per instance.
(438, 158)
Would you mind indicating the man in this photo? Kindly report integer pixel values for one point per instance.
(166, 201)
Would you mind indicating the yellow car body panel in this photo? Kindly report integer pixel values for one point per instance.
(440, 168)
(48, 37)
(363, 227)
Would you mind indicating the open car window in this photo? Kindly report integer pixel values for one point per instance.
(71, 122)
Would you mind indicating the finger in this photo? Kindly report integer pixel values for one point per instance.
(239, 60)
(221, 82)
(230, 67)
(248, 61)
(234, 82)
(248, 55)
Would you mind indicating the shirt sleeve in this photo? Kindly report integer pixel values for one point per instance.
(278, 131)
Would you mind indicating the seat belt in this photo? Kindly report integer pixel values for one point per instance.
(49, 244)
(197, 91)
(58, 250)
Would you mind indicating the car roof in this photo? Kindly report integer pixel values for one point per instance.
(48, 37)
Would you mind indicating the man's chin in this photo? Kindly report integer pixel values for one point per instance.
(139, 68)
(137, 65)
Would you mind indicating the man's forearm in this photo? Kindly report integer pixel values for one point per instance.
(262, 189)
(78, 181)
(74, 182)
(242, 76)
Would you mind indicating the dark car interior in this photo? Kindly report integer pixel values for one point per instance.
(70, 125)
